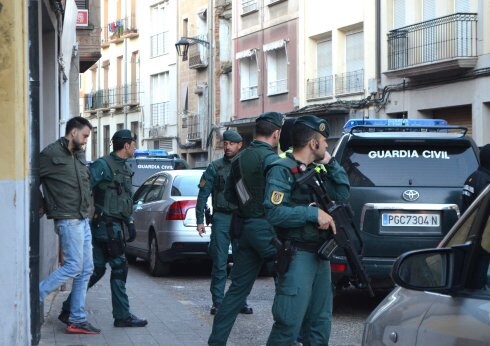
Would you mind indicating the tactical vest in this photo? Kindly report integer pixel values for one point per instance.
(301, 195)
(249, 166)
(113, 198)
(222, 168)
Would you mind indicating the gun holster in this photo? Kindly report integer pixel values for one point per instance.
(236, 226)
(285, 254)
(208, 217)
(115, 244)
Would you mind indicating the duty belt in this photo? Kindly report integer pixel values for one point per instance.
(308, 247)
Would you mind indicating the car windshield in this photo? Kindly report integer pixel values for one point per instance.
(412, 164)
(185, 185)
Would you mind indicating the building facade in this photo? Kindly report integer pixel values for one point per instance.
(435, 57)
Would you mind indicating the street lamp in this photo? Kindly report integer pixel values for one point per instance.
(182, 45)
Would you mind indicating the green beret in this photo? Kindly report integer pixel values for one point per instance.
(123, 135)
(272, 117)
(232, 136)
(318, 124)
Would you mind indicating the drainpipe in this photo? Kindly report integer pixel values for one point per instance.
(34, 179)
(377, 38)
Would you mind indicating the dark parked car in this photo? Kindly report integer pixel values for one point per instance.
(165, 220)
(406, 177)
(444, 293)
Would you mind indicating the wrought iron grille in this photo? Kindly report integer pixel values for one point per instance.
(319, 87)
(349, 82)
(447, 37)
(159, 113)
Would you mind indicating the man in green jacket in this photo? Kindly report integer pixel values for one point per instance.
(66, 191)
(213, 183)
(245, 187)
(303, 300)
(110, 179)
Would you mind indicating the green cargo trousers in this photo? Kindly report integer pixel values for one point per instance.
(303, 302)
(254, 247)
(119, 271)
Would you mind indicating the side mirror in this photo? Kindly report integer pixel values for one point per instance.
(435, 270)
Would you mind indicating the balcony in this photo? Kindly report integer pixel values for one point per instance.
(198, 54)
(193, 126)
(119, 29)
(277, 87)
(349, 82)
(118, 97)
(435, 46)
(249, 93)
(319, 87)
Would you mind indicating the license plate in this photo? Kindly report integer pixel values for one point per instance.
(403, 219)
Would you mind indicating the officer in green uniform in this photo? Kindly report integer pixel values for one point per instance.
(213, 183)
(110, 179)
(334, 176)
(245, 188)
(303, 300)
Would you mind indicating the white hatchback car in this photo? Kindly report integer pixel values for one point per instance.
(443, 296)
(164, 211)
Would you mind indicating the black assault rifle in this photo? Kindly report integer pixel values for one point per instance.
(342, 215)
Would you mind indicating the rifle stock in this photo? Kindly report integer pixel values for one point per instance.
(342, 215)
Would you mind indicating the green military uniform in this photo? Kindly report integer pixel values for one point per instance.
(245, 187)
(334, 176)
(213, 183)
(110, 179)
(303, 300)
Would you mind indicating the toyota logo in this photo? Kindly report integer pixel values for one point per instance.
(410, 195)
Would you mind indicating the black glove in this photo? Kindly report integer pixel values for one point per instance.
(131, 232)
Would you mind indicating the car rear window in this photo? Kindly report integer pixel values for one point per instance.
(185, 185)
(408, 164)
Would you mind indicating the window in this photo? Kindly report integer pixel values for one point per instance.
(119, 126)
(352, 81)
(159, 93)
(159, 31)
(249, 6)
(322, 85)
(134, 129)
(107, 140)
(156, 190)
(277, 67)
(248, 74)
(94, 143)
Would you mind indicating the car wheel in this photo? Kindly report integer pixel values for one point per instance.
(157, 268)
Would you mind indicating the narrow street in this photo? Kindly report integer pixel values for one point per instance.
(177, 308)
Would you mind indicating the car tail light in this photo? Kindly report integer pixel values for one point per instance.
(338, 267)
(178, 209)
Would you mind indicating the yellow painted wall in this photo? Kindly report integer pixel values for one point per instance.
(14, 132)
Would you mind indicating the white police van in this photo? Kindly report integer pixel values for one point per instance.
(147, 162)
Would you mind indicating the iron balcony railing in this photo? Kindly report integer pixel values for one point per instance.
(443, 38)
(159, 113)
(198, 53)
(349, 82)
(319, 87)
(114, 97)
(122, 26)
(277, 87)
(249, 6)
(250, 92)
(193, 126)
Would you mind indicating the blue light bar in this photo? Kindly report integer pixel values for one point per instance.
(394, 122)
(151, 152)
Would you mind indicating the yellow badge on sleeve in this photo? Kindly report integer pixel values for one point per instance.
(202, 183)
(277, 197)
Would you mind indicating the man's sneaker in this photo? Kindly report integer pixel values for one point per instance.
(246, 310)
(131, 321)
(82, 328)
(64, 317)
